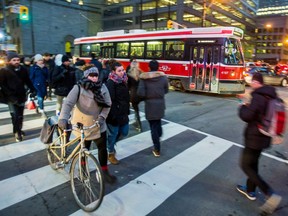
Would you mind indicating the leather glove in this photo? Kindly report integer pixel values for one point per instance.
(63, 124)
(101, 121)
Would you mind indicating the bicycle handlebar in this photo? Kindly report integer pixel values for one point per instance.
(80, 126)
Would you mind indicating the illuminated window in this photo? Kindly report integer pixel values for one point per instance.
(154, 49)
(174, 50)
(137, 49)
(122, 49)
(128, 9)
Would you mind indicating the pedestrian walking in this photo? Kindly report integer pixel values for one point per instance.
(117, 120)
(255, 142)
(92, 103)
(133, 82)
(39, 76)
(27, 63)
(94, 60)
(79, 70)
(152, 88)
(63, 79)
(106, 70)
(13, 79)
(50, 65)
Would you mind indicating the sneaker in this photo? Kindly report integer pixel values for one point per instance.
(156, 153)
(243, 190)
(110, 179)
(18, 137)
(271, 204)
(23, 133)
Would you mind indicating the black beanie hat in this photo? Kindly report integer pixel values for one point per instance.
(12, 55)
(65, 58)
(258, 77)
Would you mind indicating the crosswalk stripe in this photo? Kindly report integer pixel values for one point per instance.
(155, 186)
(28, 112)
(45, 178)
(25, 147)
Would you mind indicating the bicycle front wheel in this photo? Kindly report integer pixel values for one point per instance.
(87, 181)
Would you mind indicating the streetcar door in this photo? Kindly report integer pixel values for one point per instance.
(108, 52)
(205, 67)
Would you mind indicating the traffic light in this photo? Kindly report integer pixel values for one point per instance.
(24, 13)
(170, 24)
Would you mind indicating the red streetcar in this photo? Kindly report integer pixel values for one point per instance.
(195, 59)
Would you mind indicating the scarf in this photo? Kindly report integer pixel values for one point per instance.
(95, 87)
(118, 79)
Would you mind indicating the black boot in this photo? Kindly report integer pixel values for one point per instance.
(108, 178)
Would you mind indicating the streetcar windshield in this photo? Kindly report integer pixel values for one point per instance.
(233, 52)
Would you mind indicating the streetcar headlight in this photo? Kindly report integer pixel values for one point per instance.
(232, 74)
(2, 62)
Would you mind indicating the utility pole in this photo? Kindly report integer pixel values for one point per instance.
(204, 13)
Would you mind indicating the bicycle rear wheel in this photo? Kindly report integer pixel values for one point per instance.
(54, 150)
(87, 181)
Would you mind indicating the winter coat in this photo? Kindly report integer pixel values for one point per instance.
(253, 113)
(39, 77)
(18, 82)
(78, 73)
(119, 112)
(50, 64)
(89, 108)
(97, 64)
(133, 84)
(152, 87)
(63, 80)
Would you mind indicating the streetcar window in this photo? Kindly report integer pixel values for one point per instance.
(154, 49)
(137, 49)
(85, 50)
(76, 51)
(95, 48)
(216, 55)
(209, 55)
(122, 50)
(201, 55)
(232, 52)
(174, 50)
(194, 55)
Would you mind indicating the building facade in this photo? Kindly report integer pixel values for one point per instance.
(52, 25)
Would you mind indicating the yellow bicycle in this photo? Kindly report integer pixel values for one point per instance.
(86, 177)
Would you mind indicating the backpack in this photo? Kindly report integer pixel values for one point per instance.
(273, 122)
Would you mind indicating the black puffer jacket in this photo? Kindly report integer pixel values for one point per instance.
(119, 111)
(63, 80)
(253, 113)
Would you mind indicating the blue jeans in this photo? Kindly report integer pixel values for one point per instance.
(156, 132)
(40, 102)
(114, 134)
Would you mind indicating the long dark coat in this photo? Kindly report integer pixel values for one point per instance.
(252, 114)
(152, 88)
(119, 111)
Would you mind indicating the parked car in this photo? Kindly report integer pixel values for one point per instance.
(269, 75)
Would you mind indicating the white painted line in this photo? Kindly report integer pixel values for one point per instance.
(29, 184)
(155, 186)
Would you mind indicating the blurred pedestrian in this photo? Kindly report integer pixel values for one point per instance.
(255, 143)
(104, 73)
(16, 77)
(27, 63)
(39, 76)
(92, 104)
(79, 70)
(117, 120)
(58, 60)
(133, 82)
(63, 79)
(95, 61)
(50, 65)
(152, 88)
